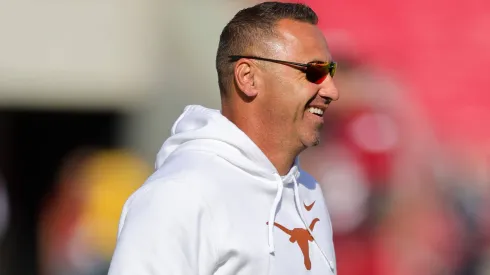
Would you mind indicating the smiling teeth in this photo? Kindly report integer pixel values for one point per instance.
(314, 110)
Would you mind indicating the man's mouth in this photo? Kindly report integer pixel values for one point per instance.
(315, 111)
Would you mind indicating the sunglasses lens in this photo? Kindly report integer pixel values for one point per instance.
(332, 68)
(317, 73)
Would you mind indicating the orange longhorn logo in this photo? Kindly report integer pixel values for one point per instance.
(302, 237)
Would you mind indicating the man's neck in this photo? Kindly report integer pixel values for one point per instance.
(281, 154)
(283, 162)
(277, 153)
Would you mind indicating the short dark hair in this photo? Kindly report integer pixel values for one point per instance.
(247, 29)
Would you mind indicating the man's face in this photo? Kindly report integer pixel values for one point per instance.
(294, 103)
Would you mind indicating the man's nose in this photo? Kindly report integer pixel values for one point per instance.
(328, 89)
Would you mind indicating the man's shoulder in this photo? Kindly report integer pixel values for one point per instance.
(192, 175)
(189, 167)
(161, 192)
(189, 158)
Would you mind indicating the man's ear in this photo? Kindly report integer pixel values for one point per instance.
(245, 74)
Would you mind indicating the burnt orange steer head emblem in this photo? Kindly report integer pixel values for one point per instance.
(301, 236)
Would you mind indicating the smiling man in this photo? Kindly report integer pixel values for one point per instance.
(228, 195)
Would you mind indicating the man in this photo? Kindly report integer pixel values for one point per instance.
(228, 196)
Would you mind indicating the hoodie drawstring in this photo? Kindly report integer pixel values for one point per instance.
(296, 201)
(298, 208)
(272, 213)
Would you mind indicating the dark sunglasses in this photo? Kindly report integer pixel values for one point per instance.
(315, 71)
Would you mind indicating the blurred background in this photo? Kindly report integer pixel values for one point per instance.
(90, 89)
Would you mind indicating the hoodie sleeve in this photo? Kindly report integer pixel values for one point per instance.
(165, 229)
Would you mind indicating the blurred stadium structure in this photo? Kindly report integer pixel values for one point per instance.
(89, 89)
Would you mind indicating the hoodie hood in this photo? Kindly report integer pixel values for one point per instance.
(236, 226)
(197, 124)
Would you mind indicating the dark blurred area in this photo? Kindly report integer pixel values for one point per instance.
(33, 148)
(89, 91)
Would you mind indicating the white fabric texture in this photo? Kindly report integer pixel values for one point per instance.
(217, 205)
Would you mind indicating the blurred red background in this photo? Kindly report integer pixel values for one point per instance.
(440, 48)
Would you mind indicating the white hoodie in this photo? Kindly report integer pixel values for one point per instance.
(216, 205)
